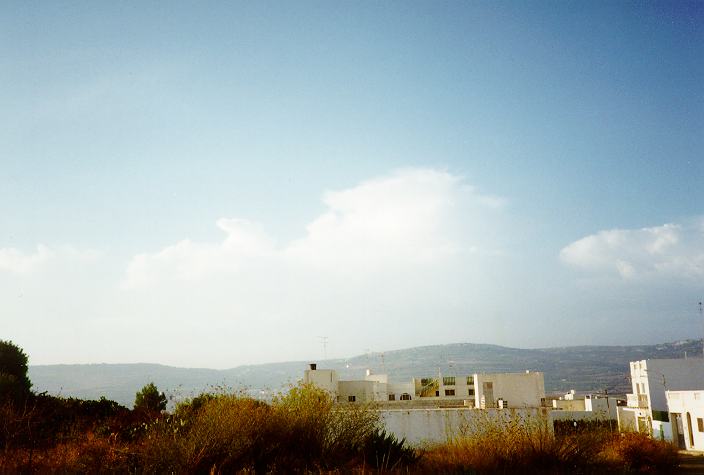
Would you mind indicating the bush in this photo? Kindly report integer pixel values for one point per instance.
(317, 433)
(641, 453)
(509, 442)
(14, 383)
(514, 444)
(42, 420)
(149, 400)
(384, 451)
(302, 430)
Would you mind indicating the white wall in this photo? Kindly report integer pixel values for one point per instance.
(569, 404)
(519, 389)
(657, 376)
(627, 419)
(428, 426)
(363, 391)
(605, 405)
(326, 379)
(397, 389)
(692, 403)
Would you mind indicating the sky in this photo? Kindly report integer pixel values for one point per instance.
(210, 184)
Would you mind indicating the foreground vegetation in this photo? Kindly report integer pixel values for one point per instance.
(300, 431)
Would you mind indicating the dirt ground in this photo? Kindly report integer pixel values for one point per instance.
(691, 462)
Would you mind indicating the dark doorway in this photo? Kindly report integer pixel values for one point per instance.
(679, 430)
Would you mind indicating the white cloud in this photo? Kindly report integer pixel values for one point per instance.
(190, 261)
(14, 260)
(674, 250)
(413, 215)
(18, 262)
(407, 247)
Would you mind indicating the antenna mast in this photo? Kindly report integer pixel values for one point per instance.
(324, 342)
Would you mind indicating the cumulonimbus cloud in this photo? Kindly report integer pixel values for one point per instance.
(410, 215)
(675, 250)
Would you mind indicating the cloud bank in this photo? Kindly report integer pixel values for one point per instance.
(411, 216)
(670, 250)
(16, 261)
(415, 257)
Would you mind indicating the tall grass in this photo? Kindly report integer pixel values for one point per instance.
(301, 430)
(512, 443)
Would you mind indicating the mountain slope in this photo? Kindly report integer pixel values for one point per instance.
(584, 368)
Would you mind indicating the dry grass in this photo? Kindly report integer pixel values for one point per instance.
(515, 444)
(303, 431)
(92, 454)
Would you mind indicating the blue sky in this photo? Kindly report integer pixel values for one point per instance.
(545, 156)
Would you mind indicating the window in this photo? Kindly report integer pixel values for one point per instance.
(488, 386)
(405, 397)
(470, 392)
(470, 380)
(426, 381)
(448, 380)
(437, 393)
(449, 392)
(700, 424)
(392, 397)
(662, 416)
(351, 398)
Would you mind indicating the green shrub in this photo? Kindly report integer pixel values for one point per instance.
(149, 400)
(384, 451)
(14, 383)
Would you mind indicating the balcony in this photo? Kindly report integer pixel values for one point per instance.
(637, 400)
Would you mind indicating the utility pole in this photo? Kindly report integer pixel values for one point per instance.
(608, 410)
(701, 318)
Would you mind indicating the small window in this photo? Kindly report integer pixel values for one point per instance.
(405, 397)
(449, 392)
(470, 380)
(392, 397)
(351, 398)
(437, 393)
(700, 424)
(448, 380)
(470, 392)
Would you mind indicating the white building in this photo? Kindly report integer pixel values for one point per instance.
(647, 408)
(587, 406)
(502, 390)
(686, 411)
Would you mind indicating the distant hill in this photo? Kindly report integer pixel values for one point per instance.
(584, 368)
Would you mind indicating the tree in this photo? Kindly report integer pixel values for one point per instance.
(14, 383)
(149, 399)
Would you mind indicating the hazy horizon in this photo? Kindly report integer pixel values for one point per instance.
(224, 184)
(319, 361)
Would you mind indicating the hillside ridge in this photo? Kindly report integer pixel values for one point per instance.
(584, 368)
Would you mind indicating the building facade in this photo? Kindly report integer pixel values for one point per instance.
(478, 390)
(686, 411)
(647, 407)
